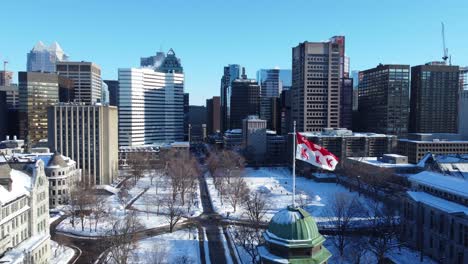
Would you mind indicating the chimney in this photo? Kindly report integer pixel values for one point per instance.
(15, 138)
(243, 73)
(7, 137)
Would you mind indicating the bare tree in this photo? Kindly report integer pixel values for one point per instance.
(182, 169)
(255, 207)
(386, 225)
(184, 260)
(100, 210)
(248, 238)
(81, 200)
(341, 210)
(138, 165)
(237, 191)
(230, 161)
(121, 238)
(174, 213)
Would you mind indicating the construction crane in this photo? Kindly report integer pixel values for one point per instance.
(446, 56)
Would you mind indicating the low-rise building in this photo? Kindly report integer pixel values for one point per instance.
(435, 216)
(11, 146)
(233, 139)
(394, 163)
(415, 146)
(345, 143)
(24, 213)
(61, 172)
(455, 165)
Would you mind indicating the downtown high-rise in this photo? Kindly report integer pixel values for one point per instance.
(384, 99)
(231, 73)
(151, 103)
(244, 100)
(86, 77)
(44, 59)
(272, 82)
(38, 91)
(319, 71)
(434, 98)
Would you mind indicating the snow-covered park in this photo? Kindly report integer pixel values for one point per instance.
(145, 199)
(276, 185)
(181, 246)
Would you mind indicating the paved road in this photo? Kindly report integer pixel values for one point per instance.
(210, 221)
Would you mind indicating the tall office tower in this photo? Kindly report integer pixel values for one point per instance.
(153, 61)
(244, 101)
(384, 99)
(271, 87)
(213, 117)
(346, 103)
(186, 116)
(37, 91)
(318, 70)
(3, 115)
(254, 138)
(113, 87)
(44, 59)
(11, 114)
(87, 134)
(463, 107)
(5, 78)
(86, 77)
(231, 72)
(151, 106)
(434, 98)
(285, 109)
(197, 121)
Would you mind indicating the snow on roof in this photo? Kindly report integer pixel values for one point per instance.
(439, 203)
(21, 185)
(376, 162)
(446, 183)
(17, 254)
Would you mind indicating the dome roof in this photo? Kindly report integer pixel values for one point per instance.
(57, 160)
(292, 224)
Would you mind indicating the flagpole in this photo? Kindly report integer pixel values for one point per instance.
(294, 168)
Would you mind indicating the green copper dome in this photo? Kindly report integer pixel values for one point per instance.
(293, 224)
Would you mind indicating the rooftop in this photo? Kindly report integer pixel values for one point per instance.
(374, 161)
(449, 184)
(20, 185)
(439, 203)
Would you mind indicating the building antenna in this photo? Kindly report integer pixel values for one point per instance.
(446, 56)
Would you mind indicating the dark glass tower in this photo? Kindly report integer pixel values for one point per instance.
(231, 72)
(434, 98)
(384, 99)
(245, 101)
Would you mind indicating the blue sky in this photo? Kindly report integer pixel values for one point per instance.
(207, 35)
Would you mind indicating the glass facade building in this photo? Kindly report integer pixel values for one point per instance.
(384, 99)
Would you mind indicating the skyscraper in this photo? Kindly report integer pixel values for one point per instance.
(87, 134)
(434, 98)
(213, 118)
(37, 91)
(231, 72)
(151, 105)
(318, 70)
(44, 59)
(384, 99)
(113, 87)
(463, 108)
(244, 100)
(186, 116)
(153, 61)
(86, 77)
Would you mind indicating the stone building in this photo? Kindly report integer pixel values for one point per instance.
(435, 217)
(24, 213)
(293, 237)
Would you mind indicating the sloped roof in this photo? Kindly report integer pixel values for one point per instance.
(442, 182)
(55, 47)
(57, 160)
(39, 46)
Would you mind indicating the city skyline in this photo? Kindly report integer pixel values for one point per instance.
(209, 35)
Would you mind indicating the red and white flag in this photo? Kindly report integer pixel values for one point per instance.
(314, 154)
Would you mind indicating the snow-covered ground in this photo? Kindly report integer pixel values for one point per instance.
(178, 247)
(148, 208)
(404, 255)
(276, 184)
(60, 254)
